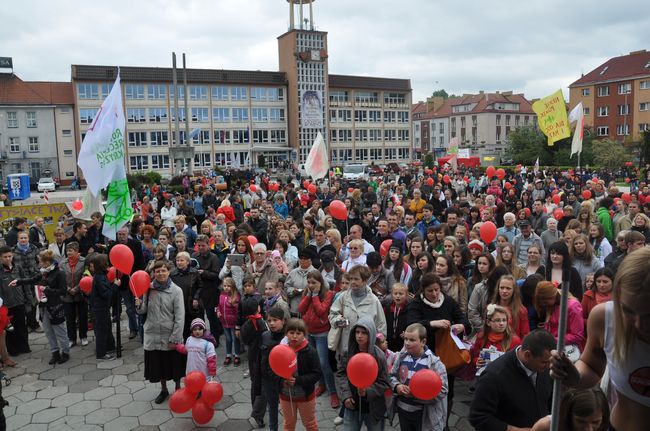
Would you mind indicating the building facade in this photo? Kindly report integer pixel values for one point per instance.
(37, 134)
(615, 96)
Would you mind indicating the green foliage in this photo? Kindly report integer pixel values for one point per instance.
(137, 180)
(527, 143)
(609, 154)
(153, 178)
(644, 148)
(428, 161)
(261, 161)
(440, 93)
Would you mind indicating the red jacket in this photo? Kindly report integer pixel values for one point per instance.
(315, 312)
(228, 212)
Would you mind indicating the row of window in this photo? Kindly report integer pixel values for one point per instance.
(603, 111)
(626, 88)
(34, 169)
(30, 119)
(196, 92)
(32, 144)
(621, 129)
(369, 135)
(200, 115)
(341, 96)
(143, 162)
(368, 116)
(202, 137)
(340, 155)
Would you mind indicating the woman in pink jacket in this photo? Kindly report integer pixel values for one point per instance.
(547, 304)
(314, 308)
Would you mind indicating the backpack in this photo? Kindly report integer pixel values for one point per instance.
(207, 336)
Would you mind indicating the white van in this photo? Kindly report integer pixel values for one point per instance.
(355, 172)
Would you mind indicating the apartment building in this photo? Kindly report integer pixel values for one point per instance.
(37, 133)
(616, 96)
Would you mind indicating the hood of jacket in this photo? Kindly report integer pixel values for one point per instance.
(369, 325)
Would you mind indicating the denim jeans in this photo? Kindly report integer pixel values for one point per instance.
(232, 342)
(352, 421)
(319, 342)
(272, 401)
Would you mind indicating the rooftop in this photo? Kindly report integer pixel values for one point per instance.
(15, 91)
(369, 83)
(634, 65)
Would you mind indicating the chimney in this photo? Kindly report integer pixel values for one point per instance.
(641, 51)
(506, 93)
(434, 103)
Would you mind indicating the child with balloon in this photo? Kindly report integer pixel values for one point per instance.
(419, 378)
(271, 382)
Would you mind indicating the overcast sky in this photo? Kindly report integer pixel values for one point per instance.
(462, 46)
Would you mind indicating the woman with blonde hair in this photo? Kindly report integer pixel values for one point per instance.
(585, 217)
(584, 260)
(508, 295)
(334, 237)
(641, 223)
(618, 337)
(568, 236)
(506, 257)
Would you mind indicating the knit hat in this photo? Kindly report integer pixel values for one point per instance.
(476, 244)
(275, 253)
(197, 322)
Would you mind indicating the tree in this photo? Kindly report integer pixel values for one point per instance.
(428, 160)
(609, 154)
(527, 143)
(440, 93)
(261, 161)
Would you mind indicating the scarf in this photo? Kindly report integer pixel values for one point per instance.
(270, 302)
(496, 338)
(48, 269)
(162, 286)
(22, 248)
(72, 262)
(301, 346)
(358, 295)
(432, 304)
(253, 318)
(445, 284)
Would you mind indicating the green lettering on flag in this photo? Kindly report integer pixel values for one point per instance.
(118, 205)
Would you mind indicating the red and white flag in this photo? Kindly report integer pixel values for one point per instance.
(577, 114)
(317, 164)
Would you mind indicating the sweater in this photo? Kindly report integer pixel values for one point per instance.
(592, 298)
(201, 356)
(307, 374)
(315, 312)
(228, 313)
(575, 333)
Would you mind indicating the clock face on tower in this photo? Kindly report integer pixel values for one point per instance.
(315, 55)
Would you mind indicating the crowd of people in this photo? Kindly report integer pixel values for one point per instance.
(392, 267)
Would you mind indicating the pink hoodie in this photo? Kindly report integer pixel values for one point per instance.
(575, 333)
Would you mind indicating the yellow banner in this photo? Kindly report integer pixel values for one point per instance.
(552, 117)
(55, 215)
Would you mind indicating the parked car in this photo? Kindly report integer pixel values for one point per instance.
(46, 184)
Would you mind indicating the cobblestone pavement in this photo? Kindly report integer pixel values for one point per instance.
(86, 394)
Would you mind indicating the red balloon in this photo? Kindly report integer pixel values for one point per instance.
(86, 284)
(350, 190)
(466, 179)
(253, 188)
(247, 214)
(501, 173)
(556, 199)
(429, 181)
(121, 257)
(428, 171)
(338, 210)
(252, 240)
(385, 246)
(507, 185)
(488, 232)
(554, 192)
(283, 361)
(181, 401)
(194, 382)
(362, 370)
(558, 214)
(139, 283)
(586, 194)
(212, 393)
(166, 195)
(202, 413)
(305, 184)
(527, 211)
(111, 274)
(627, 180)
(627, 198)
(490, 171)
(446, 179)
(77, 205)
(425, 384)
(312, 189)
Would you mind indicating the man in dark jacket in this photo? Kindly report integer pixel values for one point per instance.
(18, 225)
(318, 245)
(209, 267)
(258, 225)
(80, 236)
(516, 389)
(16, 299)
(125, 291)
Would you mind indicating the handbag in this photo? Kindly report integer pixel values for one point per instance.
(453, 357)
(334, 334)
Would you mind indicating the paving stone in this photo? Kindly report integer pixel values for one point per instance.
(113, 380)
(82, 369)
(99, 393)
(225, 402)
(135, 408)
(23, 379)
(34, 427)
(146, 428)
(102, 416)
(11, 390)
(25, 395)
(82, 408)
(177, 424)
(121, 424)
(155, 417)
(109, 365)
(146, 394)
(126, 369)
(16, 421)
(53, 374)
(52, 392)
(117, 401)
(97, 375)
(37, 385)
(33, 406)
(68, 380)
(238, 411)
(49, 415)
(82, 386)
(66, 400)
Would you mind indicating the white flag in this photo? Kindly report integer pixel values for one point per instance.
(102, 157)
(536, 167)
(102, 161)
(317, 164)
(577, 114)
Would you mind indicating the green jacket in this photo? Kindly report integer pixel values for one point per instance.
(605, 220)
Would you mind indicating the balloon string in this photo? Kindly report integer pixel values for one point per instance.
(293, 412)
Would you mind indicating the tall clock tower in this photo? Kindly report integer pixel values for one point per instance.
(303, 58)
